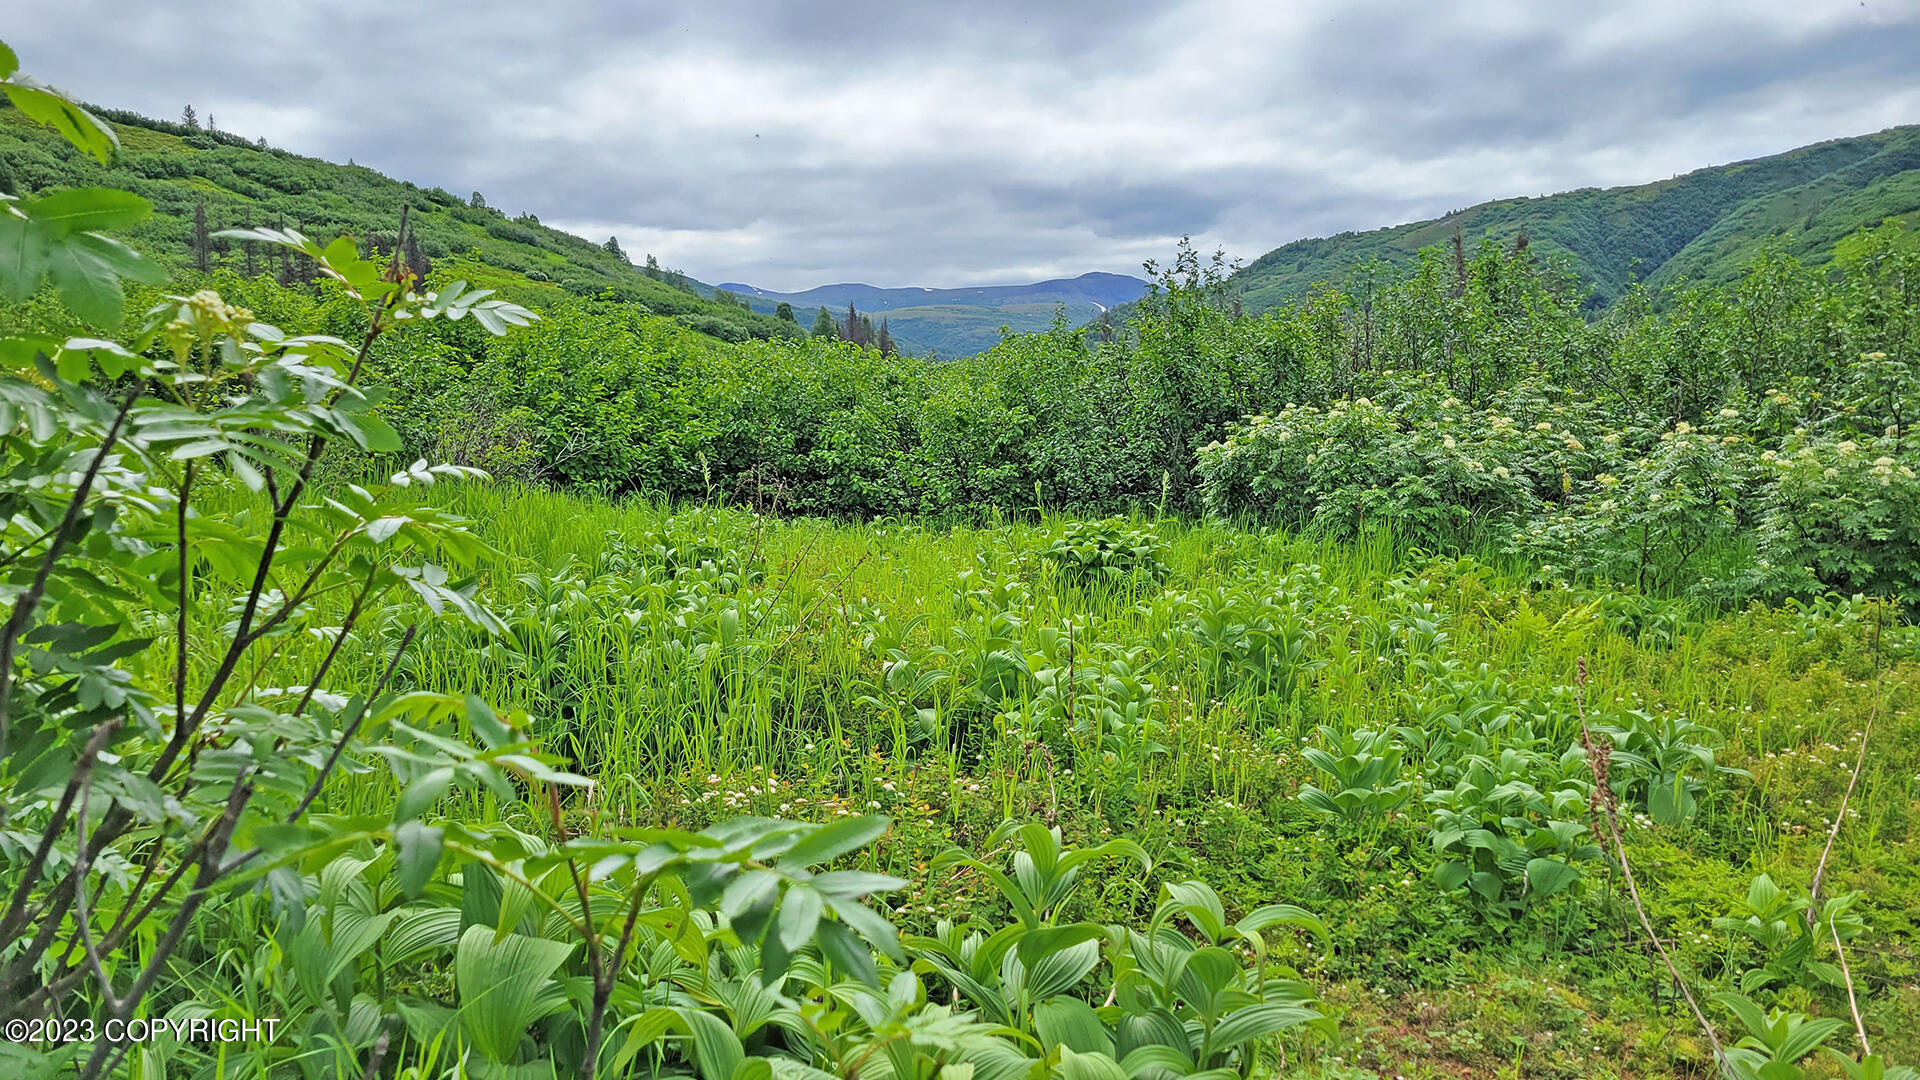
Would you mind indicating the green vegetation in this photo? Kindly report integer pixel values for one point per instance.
(201, 182)
(1703, 227)
(1416, 680)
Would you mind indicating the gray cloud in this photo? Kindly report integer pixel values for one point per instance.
(790, 145)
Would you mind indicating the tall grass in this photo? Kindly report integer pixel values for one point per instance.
(659, 647)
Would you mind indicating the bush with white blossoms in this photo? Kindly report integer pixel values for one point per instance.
(1786, 492)
(1414, 459)
(1354, 464)
(1656, 520)
(1842, 513)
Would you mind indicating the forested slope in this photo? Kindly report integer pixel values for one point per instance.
(1704, 225)
(201, 182)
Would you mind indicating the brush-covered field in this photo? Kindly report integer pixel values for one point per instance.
(1343, 727)
(1432, 678)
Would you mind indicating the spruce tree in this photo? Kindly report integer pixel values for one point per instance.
(200, 247)
(416, 260)
(823, 326)
(246, 247)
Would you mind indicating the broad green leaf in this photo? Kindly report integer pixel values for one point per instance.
(18, 1061)
(1157, 1028)
(799, 914)
(831, 841)
(845, 952)
(850, 884)
(1807, 1037)
(1061, 970)
(716, 1049)
(1201, 905)
(1159, 1057)
(352, 934)
(1751, 1015)
(1669, 803)
(1075, 1066)
(422, 793)
(1259, 1022)
(1261, 918)
(1209, 970)
(1072, 1023)
(419, 852)
(500, 986)
(1549, 876)
(1047, 940)
(416, 932)
(86, 271)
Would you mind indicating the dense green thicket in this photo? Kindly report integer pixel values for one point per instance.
(1704, 226)
(1739, 441)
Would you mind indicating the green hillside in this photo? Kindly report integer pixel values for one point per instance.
(1702, 226)
(231, 182)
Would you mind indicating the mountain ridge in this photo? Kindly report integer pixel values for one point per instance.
(1701, 225)
(954, 321)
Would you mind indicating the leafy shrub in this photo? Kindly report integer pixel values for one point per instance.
(1252, 637)
(1661, 766)
(1362, 770)
(1658, 521)
(1774, 923)
(714, 326)
(1100, 552)
(1506, 841)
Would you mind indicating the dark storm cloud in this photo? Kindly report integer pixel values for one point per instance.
(1428, 85)
(789, 144)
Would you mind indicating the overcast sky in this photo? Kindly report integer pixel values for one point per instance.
(788, 145)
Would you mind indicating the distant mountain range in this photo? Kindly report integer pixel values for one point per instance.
(1702, 226)
(955, 322)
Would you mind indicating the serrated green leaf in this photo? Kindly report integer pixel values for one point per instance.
(24, 254)
(86, 271)
(799, 915)
(78, 126)
(87, 209)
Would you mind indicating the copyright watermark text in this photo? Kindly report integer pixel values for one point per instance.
(53, 1031)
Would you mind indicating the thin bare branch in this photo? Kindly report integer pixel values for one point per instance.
(1597, 762)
